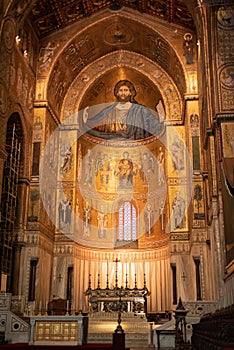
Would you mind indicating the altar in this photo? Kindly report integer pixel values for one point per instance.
(116, 299)
(58, 330)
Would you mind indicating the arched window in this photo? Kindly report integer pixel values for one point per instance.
(127, 222)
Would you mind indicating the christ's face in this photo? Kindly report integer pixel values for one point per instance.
(124, 94)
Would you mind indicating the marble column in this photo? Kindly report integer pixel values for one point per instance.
(16, 263)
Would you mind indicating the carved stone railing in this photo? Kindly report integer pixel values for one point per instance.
(17, 304)
(200, 308)
(13, 328)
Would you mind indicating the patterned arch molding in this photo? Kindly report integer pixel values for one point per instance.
(171, 97)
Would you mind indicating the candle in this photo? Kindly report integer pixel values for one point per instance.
(67, 305)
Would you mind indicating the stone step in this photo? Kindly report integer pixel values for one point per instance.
(139, 341)
(102, 326)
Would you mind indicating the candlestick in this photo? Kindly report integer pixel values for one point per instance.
(67, 313)
(135, 282)
(126, 282)
(107, 276)
(39, 310)
(73, 307)
(89, 281)
(116, 272)
(144, 281)
(80, 306)
(46, 307)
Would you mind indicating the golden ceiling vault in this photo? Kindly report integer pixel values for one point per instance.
(48, 16)
(155, 199)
